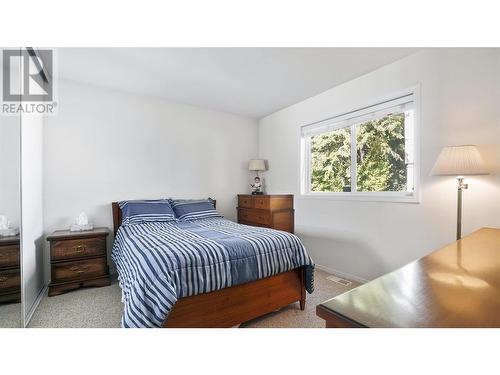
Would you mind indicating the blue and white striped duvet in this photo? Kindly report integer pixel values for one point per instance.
(161, 262)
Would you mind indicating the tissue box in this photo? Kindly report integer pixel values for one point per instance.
(9, 232)
(80, 228)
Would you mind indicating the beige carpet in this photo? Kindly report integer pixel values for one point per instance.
(101, 307)
(82, 308)
(10, 315)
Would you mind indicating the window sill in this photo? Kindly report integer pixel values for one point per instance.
(363, 197)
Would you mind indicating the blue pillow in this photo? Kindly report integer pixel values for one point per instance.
(142, 211)
(194, 209)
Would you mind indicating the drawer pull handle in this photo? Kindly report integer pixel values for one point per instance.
(80, 248)
(77, 269)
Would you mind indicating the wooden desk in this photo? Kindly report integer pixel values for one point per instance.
(456, 286)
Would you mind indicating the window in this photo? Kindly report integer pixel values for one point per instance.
(367, 153)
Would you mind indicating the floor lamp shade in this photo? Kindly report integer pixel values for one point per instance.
(459, 161)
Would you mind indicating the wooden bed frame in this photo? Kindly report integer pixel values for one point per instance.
(234, 305)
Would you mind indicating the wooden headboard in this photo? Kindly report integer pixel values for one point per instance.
(117, 215)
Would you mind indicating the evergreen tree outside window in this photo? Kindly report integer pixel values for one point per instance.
(363, 152)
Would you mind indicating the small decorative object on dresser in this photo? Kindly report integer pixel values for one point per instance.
(10, 274)
(271, 211)
(257, 165)
(78, 259)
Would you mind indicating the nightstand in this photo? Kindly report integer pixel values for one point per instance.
(78, 259)
(10, 274)
(271, 211)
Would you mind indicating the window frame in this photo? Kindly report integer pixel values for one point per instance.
(382, 196)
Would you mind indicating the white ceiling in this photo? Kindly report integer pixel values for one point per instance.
(252, 82)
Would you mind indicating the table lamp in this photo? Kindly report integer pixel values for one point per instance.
(459, 161)
(257, 165)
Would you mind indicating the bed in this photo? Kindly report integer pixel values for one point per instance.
(210, 272)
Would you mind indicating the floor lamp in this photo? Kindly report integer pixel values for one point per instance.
(459, 161)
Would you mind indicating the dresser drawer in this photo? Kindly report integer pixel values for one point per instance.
(9, 256)
(82, 269)
(85, 247)
(10, 280)
(254, 216)
(253, 224)
(261, 203)
(245, 201)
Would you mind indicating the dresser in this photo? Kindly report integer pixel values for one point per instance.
(78, 259)
(10, 272)
(270, 211)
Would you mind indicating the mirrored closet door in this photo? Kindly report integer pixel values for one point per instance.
(22, 256)
(10, 219)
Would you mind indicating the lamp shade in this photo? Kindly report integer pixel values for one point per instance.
(257, 165)
(459, 161)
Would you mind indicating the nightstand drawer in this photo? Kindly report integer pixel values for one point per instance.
(84, 247)
(254, 216)
(10, 280)
(245, 201)
(9, 256)
(82, 269)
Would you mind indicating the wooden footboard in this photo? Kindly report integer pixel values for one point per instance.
(232, 306)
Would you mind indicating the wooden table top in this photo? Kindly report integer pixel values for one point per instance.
(9, 240)
(67, 234)
(456, 286)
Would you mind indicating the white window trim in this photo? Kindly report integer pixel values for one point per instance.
(396, 197)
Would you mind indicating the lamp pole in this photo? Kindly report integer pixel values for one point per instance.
(461, 187)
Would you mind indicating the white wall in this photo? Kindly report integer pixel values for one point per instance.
(32, 238)
(460, 104)
(106, 145)
(10, 141)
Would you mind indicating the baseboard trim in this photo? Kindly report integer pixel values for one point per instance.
(38, 299)
(344, 275)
